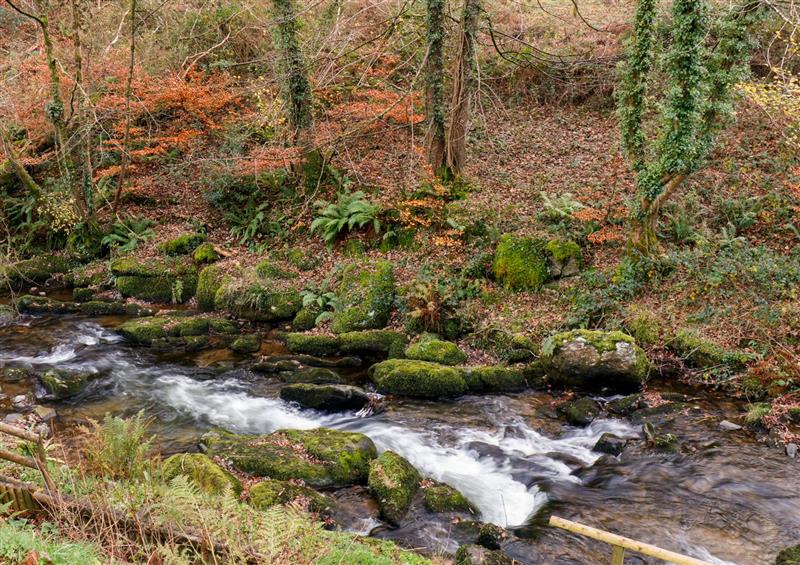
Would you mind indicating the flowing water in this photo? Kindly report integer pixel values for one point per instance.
(724, 497)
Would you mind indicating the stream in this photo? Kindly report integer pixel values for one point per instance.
(723, 497)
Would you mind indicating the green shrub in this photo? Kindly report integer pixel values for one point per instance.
(351, 210)
(119, 447)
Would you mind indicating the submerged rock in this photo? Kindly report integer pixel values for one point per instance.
(63, 384)
(393, 481)
(367, 297)
(441, 497)
(321, 457)
(611, 444)
(270, 492)
(327, 398)
(202, 471)
(430, 348)
(420, 379)
(580, 412)
(594, 360)
(473, 554)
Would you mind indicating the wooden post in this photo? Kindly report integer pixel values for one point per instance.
(618, 555)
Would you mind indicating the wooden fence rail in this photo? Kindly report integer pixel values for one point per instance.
(620, 543)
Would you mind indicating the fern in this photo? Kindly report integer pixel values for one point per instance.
(125, 235)
(351, 210)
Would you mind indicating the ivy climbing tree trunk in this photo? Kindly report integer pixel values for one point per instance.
(434, 86)
(298, 88)
(701, 77)
(464, 85)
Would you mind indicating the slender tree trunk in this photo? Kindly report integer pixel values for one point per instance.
(19, 169)
(434, 86)
(126, 159)
(464, 84)
(644, 238)
(82, 187)
(298, 87)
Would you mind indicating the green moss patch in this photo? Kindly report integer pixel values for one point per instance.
(495, 379)
(270, 492)
(704, 354)
(168, 280)
(258, 302)
(393, 481)
(208, 283)
(520, 263)
(205, 253)
(202, 472)
(420, 379)
(367, 297)
(440, 497)
(183, 244)
(430, 348)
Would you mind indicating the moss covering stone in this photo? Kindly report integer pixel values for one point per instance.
(580, 412)
(202, 471)
(473, 554)
(30, 304)
(309, 375)
(592, 359)
(393, 482)
(325, 397)
(13, 374)
(566, 258)
(205, 253)
(321, 457)
(268, 493)
(626, 405)
(37, 270)
(430, 348)
(321, 345)
(82, 294)
(520, 263)
(92, 274)
(102, 308)
(703, 353)
(420, 379)
(789, 556)
(63, 384)
(248, 343)
(209, 281)
(149, 330)
(256, 301)
(441, 497)
(168, 280)
(495, 379)
(306, 318)
(302, 259)
(183, 244)
(386, 343)
(267, 270)
(367, 297)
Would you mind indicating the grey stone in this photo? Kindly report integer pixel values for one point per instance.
(791, 450)
(729, 426)
(21, 402)
(45, 413)
(12, 418)
(611, 444)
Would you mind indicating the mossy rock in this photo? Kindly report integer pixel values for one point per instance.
(473, 554)
(64, 384)
(310, 375)
(367, 343)
(101, 308)
(301, 259)
(201, 470)
(420, 379)
(703, 353)
(30, 304)
(319, 345)
(183, 244)
(594, 360)
(92, 274)
(37, 270)
(789, 556)
(269, 270)
(209, 281)
(565, 258)
(147, 330)
(644, 326)
(626, 405)
(441, 498)
(393, 482)
(270, 492)
(205, 253)
(306, 318)
(367, 298)
(249, 343)
(430, 348)
(325, 397)
(168, 280)
(580, 412)
(321, 457)
(82, 294)
(14, 374)
(257, 302)
(521, 263)
(495, 379)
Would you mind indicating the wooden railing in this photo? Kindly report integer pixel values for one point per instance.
(26, 496)
(620, 543)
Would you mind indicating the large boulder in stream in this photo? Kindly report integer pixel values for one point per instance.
(594, 360)
(61, 384)
(420, 379)
(393, 481)
(321, 457)
(176, 330)
(201, 470)
(155, 280)
(327, 398)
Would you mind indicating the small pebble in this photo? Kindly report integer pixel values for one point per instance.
(791, 450)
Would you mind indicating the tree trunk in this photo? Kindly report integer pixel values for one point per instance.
(464, 83)
(126, 158)
(434, 87)
(298, 88)
(644, 238)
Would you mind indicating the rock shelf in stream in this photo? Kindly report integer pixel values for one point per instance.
(320, 457)
(327, 398)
